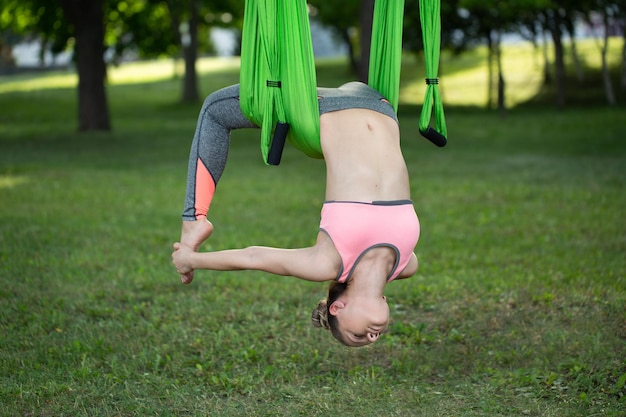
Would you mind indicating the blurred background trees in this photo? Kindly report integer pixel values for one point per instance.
(104, 32)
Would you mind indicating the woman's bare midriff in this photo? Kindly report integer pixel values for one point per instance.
(363, 158)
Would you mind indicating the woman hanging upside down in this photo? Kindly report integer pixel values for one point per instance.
(368, 229)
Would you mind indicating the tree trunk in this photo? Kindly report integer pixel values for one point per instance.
(624, 62)
(366, 17)
(354, 65)
(43, 47)
(606, 75)
(559, 59)
(501, 83)
(577, 66)
(569, 25)
(87, 16)
(547, 70)
(190, 54)
(490, 82)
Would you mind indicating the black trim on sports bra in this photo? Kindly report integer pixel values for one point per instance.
(373, 203)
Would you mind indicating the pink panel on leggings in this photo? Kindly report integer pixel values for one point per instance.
(205, 188)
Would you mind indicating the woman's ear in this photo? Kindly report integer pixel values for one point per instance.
(336, 307)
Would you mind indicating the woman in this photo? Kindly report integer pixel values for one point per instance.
(368, 227)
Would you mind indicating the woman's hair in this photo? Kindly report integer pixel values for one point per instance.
(321, 317)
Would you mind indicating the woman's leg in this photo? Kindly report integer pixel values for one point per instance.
(209, 150)
(220, 114)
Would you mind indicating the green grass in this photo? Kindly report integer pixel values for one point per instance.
(518, 308)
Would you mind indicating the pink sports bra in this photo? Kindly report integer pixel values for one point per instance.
(356, 227)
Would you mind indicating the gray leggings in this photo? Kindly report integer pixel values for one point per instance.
(221, 113)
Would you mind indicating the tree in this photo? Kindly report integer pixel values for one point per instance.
(351, 21)
(151, 26)
(366, 17)
(189, 21)
(343, 19)
(607, 10)
(570, 30)
(10, 27)
(184, 18)
(491, 21)
(621, 20)
(28, 18)
(172, 28)
(87, 19)
(59, 21)
(457, 30)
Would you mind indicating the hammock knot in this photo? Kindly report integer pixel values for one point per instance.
(270, 83)
(430, 81)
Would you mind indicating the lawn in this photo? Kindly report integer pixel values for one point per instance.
(518, 309)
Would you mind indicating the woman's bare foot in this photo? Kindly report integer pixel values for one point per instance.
(194, 232)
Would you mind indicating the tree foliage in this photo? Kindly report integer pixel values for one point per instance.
(343, 19)
(152, 28)
(90, 27)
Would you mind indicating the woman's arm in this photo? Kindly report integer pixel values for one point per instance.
(304, 263)
(410, 269)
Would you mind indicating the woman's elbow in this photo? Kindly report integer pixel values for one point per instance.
(411, 268)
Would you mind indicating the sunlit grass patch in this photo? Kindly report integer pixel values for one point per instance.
(125, 73)
(464, 79)
(166, 69)
(56, 79)
(9, 181)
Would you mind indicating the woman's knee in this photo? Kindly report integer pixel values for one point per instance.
(227, 93)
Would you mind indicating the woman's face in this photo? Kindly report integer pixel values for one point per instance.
(361, 321)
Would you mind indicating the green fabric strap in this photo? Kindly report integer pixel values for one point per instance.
(431, 33)
(386, 49)
(277, 80)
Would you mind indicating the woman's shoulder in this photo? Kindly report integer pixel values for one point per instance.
(325, 257)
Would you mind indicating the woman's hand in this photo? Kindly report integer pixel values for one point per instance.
(181, 258)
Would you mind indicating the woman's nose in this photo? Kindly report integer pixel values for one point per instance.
(373, 337)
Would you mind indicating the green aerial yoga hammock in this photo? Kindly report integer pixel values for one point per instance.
(430, 17)
(386, 49)
(278, 80)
